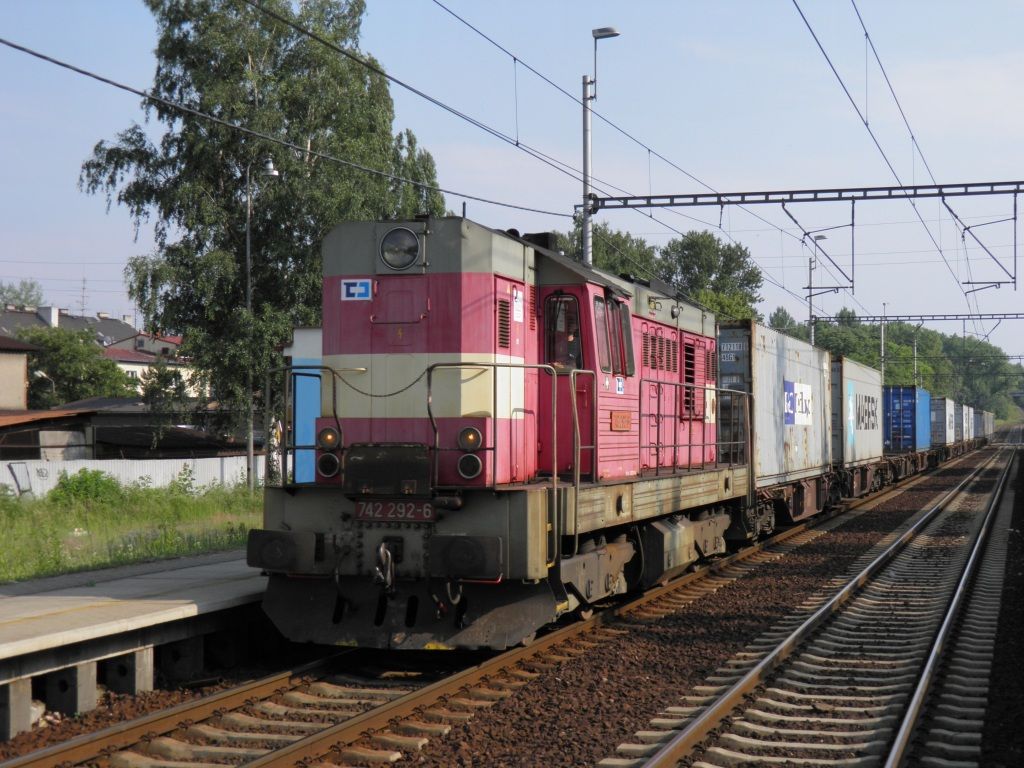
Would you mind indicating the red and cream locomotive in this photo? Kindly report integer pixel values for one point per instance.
(505, 435)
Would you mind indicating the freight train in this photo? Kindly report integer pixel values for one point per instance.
(506, 436)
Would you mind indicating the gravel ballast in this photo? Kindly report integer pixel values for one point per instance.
(579, 713)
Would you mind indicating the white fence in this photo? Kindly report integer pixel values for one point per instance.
(39, 477)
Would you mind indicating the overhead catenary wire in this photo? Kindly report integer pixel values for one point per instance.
(878, 146)
(516, 58)
(614, 126)
(514, 141)
(558, 165)
(920, 153)
(267, 137)
(182, 108)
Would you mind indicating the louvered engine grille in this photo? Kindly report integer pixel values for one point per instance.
(504, 324)
(659, 353)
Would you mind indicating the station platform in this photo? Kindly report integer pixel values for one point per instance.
(69, 628)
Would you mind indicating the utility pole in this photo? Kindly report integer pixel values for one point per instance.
(884, 305)
(917, 330)
(810, 296)
(269, 172)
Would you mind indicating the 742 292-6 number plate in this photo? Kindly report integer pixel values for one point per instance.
(410, 511)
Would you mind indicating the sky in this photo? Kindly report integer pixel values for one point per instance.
(735, 94)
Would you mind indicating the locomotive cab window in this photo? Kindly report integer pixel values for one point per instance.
(614, 337)
(626, 341)
(601, 329)
(562, 346)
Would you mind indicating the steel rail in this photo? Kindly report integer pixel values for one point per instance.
(686, 740)
(122, 736)
(916, 703)
(126, 734)
(317, 745)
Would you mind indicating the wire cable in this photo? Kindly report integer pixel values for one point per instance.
(878, 146)
(622, 131)
(917, 146)
(650, 152)
(182, 108)
(514, 141)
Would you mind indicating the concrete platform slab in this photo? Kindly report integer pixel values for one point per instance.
(52, 613)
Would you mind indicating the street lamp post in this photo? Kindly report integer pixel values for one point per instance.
(589, 95)
(269, 172)
(41, 375)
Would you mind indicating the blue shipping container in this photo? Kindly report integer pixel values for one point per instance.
(906, 419)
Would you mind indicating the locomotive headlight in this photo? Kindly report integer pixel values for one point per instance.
(327, 464)
(470, 439)
(399, 249)
(470, 466)
(328, 438)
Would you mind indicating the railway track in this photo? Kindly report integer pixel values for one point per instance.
(312, 714)
(845, 681)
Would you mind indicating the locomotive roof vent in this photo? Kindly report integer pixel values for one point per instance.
(399, 249)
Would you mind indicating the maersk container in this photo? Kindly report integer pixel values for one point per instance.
(856, 413)
(943, 421)
(906, 419)
(790, 382)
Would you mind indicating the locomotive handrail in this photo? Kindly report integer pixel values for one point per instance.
(658, 446)
(294, 447)
(553, 512)
(578, 450)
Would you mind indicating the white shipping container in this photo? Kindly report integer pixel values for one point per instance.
(856, 413)
(943, 421)
(791, 384)
(968, 422)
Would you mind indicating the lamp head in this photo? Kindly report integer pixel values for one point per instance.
(602, 32)
(269, 171)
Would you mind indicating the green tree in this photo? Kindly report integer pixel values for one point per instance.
(619, 253)
(781, 320)
(72, 367)
(165, 391)
(847, 317)
(721, 276)
(411, 162)
(226, 58)
(27, 293)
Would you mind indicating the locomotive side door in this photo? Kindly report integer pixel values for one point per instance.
(565, 350)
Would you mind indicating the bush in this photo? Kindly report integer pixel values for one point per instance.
(86, 522)
(87, 486)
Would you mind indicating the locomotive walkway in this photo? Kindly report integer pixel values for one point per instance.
(70, 630)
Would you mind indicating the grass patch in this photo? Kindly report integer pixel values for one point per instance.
(91, 521)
